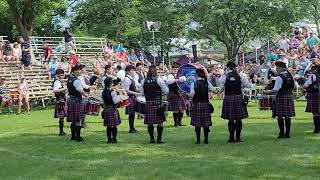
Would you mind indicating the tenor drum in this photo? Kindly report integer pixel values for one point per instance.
(189, 71)
(140, 105)
(92, 107)
(266, 102)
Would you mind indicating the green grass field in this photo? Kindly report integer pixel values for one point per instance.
(30, 148)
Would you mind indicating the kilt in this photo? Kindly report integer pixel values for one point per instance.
(111, 116)
(233, 108)
(130, 109)
(75, 113)
(284, 105)
(150, 112)
(60, 110)
(200, 115)
(176, 103)
(313, 102)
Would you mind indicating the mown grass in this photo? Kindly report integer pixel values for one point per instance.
(31, 149)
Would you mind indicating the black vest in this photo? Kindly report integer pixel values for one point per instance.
(132, 85)
(141, 76)
(173, 88)
(152, 90)
(107, 98)
(315, 85)
(71, 89)
(287, 83)
(60, 95)
(233, 84)
(201, 91)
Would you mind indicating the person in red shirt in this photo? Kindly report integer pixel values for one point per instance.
(47, 54)
(74, 59)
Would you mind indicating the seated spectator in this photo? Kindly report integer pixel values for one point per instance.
(133, 57)
(8, 53)
(108, 48)
(53, 66)
(65, 66)
(119, 47)
(312, 41)
(262, 57)
(5, 98)
(97, 66)
(273, 56)
(23, 91)
(74, 58)
(16, 52)
(292, 61)
(1, 50)
(294, 43)
(123, 56)
(303, 42)
(305, 32)
(302, 65)
(284, 43)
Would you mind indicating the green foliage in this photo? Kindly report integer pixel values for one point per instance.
(31, 149)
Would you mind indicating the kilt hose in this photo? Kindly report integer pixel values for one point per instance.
(233, 108)
(75, 113)
(200, 115)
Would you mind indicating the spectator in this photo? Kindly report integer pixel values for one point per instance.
(273, 56)
(26, 57)
(284, 43)
(97, 66)
(5, 98)
(16, 52)
(262, 57)
(68, 39)
(53, 66)
(74, 58)
(8, 53)
(305, 32)
(108, 48)
(119, 47)
(312, 41)
(123, 56)
(1, 50)
(302, 64)
(303, 42)
(143, 58)
(23, 91)
(47, 53)
(294, 44)
(65, 66)
(133, 57)
(282, 57)
(292, 61)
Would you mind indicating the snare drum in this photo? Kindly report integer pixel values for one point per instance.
(124, 103)
(140, 105)
(92, 107)
(265, 102)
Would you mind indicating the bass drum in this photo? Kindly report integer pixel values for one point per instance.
(189, 71)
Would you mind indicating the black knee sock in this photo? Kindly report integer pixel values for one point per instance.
(131, 122)
(175, 118)
(114, 134)
(288, 126)
(109, 136)
(61, 126)
(78, 133)
(151, 132)
(238, 130)
(160, 130)
(180, 115)
(316, 122)
(73, 131)
(281, 126)
(206, 134)
(198, 132)
(231, 128)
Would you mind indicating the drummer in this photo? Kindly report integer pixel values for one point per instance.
(85, 82)
(108, 72)
(111, 116)
(234, 107)
(131, 88)
(153, 87)
(176, 101)
(201, 115)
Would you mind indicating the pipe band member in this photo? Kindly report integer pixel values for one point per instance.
(234, 108)
(153, 87)
(130, 85)
(111, 116)
(75, 113)
(176, 101)
(284, 109)
(200, 115)
(312, 85)
(60, 94)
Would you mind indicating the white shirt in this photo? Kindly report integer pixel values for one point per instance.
(170, 79)
(121, 74)
(83, 82)
(78, 85)
(160, 82)
(127, 82)
(57, 85)
(309, 81)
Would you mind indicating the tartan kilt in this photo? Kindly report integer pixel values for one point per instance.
(111, 116)
(75, 113)
(60, 110)
(176, 102)
(130, 109)
(284, 105)
(200, 115)
(233, 108)
(150, 112)
(313, 102)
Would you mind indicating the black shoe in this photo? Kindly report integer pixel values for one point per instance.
(80, 139)
(197, 142)
(280, 136)
(238, 140)
(131, 131)
(287, 136)
(152, 141)
(62, 134)
(160, 142)
(109, 141)
(114, 141)
(231, 141)
(206, 141)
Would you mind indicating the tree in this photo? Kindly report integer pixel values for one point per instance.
(233, 22)
(28, 13)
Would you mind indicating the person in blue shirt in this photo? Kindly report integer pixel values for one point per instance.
(26, 57)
